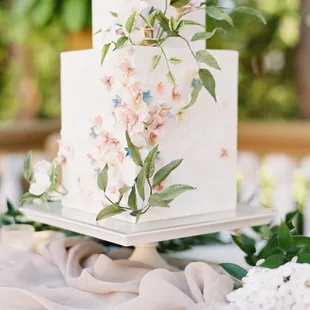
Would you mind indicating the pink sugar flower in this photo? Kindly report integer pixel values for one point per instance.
(157, 117)
(98, 121)
(107, 81)
(127, 68)
(160, 88)
(176, 93)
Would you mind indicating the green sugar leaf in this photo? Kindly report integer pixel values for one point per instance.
(134, 151)
(102, 179)
(208, 81)
(109, 211)
(150, 163)
(204, 56)
(165, 171)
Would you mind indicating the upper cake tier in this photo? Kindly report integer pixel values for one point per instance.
(103, 19)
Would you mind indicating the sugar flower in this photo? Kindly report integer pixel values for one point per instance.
(41, 178)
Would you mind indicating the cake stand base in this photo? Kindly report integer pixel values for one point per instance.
(147, 254)
(145, 235)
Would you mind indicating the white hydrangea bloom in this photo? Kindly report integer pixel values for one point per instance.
(284, 288)
(41, 178)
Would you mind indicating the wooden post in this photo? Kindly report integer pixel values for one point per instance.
(303, 62)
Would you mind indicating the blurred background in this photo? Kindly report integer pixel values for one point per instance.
(274, 91)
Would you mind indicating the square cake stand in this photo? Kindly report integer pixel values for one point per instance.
(144, 236)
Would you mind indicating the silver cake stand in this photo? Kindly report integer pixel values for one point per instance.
(144, 236)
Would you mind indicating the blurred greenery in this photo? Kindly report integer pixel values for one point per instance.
(40, 28)
(266, 79)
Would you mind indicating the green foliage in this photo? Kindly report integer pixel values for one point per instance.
(284, 242)
(147, 175)
(235, 271)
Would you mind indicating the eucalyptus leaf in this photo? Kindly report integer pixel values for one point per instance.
(175, 60)
(215, 13)
(179, 3)
(165, 171)
(102, 178)
(134, 151)
(252, 12)
(208, 81)
(150, 163)
(204, 56)
(141, 183)
(285, 237)
(120, 42)
(109, 211)
(194, 95)
(273, 261)
(173, 191)
(155, 61)
(206, 35)
(132, 199)
(104, 52)
(234, 271)
(130, 22)
(155, 200)
(171, 78)
(27, 166)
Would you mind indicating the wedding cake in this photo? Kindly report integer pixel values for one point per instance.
(103, 101)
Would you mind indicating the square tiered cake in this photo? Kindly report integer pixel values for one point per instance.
(101, 102)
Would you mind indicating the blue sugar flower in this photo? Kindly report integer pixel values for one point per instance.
(117, 101)
(97, 171)
(93, 133)
(127, 152)
(195, 82)
(147, 97)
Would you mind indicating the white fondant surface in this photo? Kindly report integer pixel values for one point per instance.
(206, 137)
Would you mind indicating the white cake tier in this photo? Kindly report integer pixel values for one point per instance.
(100, 102)
(103, 19)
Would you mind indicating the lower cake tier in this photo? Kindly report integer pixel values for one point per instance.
(101, 103)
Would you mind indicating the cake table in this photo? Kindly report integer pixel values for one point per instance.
(145, 235)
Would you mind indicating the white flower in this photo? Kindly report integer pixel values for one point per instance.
(274, 289)
(41, 177)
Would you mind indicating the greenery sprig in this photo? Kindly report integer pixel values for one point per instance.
(169, 27)
(148, 177)
(43, 180)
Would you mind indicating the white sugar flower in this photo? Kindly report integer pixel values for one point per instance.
(41, 178)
